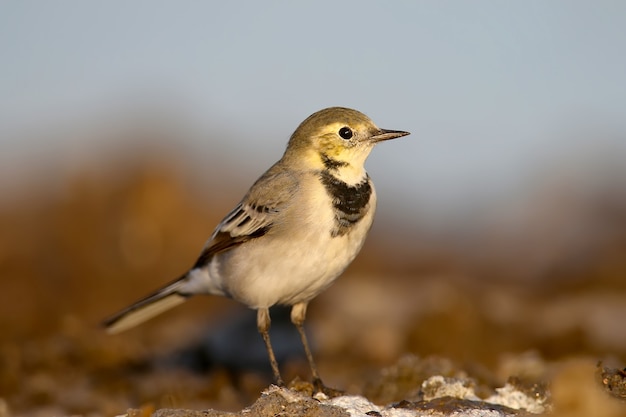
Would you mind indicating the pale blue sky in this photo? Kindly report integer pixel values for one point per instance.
(492, 91)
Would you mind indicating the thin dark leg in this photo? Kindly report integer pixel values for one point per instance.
(298, 313)
(263, 325)
(309, 355)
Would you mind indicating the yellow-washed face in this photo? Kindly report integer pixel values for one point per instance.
(337, 139)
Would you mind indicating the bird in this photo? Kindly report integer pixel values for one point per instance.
(294, 232)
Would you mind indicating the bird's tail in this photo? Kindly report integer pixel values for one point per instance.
(152, 305)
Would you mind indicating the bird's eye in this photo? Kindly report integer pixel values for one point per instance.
(345, 133)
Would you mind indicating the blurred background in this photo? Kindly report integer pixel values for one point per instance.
(128, 129)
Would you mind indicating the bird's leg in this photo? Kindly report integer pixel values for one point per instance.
(263, 322)
(298, 314)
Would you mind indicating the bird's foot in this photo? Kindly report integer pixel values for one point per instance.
(314, 389)
(319, 387)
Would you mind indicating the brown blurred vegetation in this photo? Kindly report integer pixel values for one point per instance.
(71, 256)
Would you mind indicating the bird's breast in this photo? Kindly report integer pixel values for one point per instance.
(350, 203)
(318, 236)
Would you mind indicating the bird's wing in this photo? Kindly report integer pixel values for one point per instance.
(255, 215)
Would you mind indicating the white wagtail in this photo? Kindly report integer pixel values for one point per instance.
(292, 235)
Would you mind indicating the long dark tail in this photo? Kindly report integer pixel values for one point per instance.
(154, 304)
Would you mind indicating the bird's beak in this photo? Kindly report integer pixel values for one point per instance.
(384, 134)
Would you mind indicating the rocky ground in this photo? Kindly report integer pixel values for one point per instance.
(437, 396)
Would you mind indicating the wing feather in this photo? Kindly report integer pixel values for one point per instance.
(254, 216)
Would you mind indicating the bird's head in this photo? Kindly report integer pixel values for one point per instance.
(338, 139)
